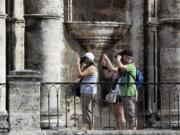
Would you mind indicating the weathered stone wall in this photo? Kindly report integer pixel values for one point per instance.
(151, 101)
(44, 46)
(52, 50)
(169, 57)
(2, 41)
(101, 10)
(3, 112)
(15, 32)
(24, 109)
(103, 42)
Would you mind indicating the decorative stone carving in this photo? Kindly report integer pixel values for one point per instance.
(169, 11)
(97, 34)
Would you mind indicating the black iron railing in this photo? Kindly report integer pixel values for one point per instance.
(158, 106)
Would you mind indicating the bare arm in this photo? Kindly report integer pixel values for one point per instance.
(108, 63)
(120, 64)
(88, 71)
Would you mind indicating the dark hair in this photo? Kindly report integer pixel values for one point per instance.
(125, 52)
(86, 60)
(104, 67)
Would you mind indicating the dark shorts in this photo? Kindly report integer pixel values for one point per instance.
(118, 99)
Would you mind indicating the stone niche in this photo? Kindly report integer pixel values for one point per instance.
(99, 10)
(98, 24)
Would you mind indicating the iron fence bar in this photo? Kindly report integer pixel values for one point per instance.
(109, 110)
(152, 104)
(136, 114)
(66, 109)
(48, 108)
(178, 108)
(92, 112)
(83, 109)
(144, 125)
(152, 83)
(100, 111)
(169, 110)
(74, 109)
(160, 110)
(169, 124)
(57, 108)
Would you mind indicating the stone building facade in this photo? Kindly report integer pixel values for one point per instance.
(40, 39)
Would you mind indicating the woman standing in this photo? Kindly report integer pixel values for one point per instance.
(117, 107)
(87, 71)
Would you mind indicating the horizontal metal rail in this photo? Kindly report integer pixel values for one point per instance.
(157, 106)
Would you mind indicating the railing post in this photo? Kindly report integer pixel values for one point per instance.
(24, 102)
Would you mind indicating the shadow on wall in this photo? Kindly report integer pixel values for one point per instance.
(72, 50)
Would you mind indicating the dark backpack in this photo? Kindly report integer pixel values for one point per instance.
(138, 78)
(76, 88)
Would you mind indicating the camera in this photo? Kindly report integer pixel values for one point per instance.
(82, 59)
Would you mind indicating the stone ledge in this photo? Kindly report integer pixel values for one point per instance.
(169, 20)
(43, 16)
(93, 132)
(24, 75)
(110, 132)
(3, 16)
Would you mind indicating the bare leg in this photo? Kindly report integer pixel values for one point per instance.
(115, 112)
(118, 112)
(121, 117)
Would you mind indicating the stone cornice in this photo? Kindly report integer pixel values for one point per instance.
(99, 23)
(15, 20)
(153, 24)
(43, 16)
(3, 15)
(169, 20)
(24, 75)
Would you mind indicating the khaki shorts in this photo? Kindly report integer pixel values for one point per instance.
(129, 104)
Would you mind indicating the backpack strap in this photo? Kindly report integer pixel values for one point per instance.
(132, 76)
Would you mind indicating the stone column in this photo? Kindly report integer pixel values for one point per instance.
(169, 53)
(44, 46)
(3, 112)
(24, 102)
(18, 34)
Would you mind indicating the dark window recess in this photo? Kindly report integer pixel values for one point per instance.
(99, 10)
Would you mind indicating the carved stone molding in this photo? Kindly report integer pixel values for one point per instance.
(42, 16)
(169, 20)
(3, 16)
(169, 10)
(97, 34)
